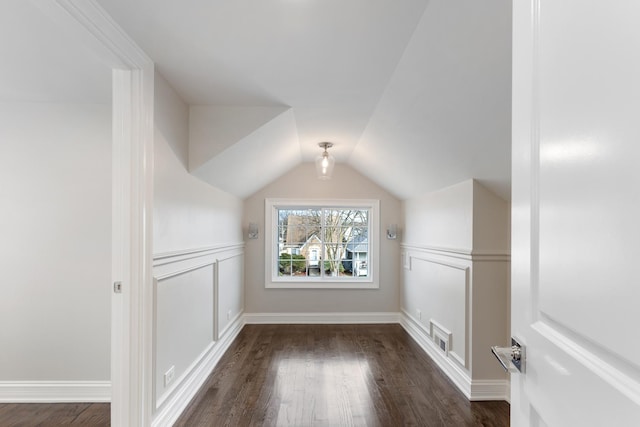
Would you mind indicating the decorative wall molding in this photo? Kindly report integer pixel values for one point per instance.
(183, 255)
(54, 391)
(186, 387)
(321, 318)
(437, 261)
(90, 24)
(460, 377)
(170, 404)
(405, 260)
(227, 258)
(465, 254)
(217, 330)
(237, 319)
(474, 390)
(427, 257)
(170, 274)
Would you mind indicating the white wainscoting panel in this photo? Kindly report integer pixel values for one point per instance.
(454, 289)
(187, 312)
(190, 383)
(437, 288)
(184, 322)
(460, 376)
(230, 289)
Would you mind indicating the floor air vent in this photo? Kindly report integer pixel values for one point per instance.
(441, 336)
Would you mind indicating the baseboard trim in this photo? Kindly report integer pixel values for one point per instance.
(459, 378)
(185, 390)
(54, 391)
(319, 318)
(474, 390)
(489, 390)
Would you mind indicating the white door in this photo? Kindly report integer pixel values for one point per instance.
(576, 212)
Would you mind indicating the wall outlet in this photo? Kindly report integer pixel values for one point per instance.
(168, 376)
(228, 314)
(419, 314)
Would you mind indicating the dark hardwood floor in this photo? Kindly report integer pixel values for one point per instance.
(54, 414)
(333, 375)
(308, 375)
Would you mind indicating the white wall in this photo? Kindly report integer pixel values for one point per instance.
(188, 213)
(443, 218)
(198, 260)
(302, 183)
(490, 214)
(456, 276)
(55, 249)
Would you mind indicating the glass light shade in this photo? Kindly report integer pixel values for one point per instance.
(324, 165)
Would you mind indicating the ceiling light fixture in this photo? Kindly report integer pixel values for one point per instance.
(325, 162)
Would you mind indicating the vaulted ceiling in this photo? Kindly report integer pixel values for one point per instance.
(414, 94)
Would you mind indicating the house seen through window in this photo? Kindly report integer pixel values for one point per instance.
(323, 242)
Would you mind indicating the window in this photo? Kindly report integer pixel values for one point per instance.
(321, 244)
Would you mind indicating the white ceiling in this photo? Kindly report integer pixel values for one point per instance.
(415, 94)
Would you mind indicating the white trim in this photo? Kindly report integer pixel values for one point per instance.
(132, 207)
(489, 390)
(189, 384)
(321, 318)
(474, 390)
(216, 302)
(465, 254)
(458, 376)
(175, 256)
(467, 303)
(437, 261)
(132, 352)
(165, 276)
(92, 26)
(239, 317)
(227, 258)
(273, 281)
(346, 284)
(54, 391)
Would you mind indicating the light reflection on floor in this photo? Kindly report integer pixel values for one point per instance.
(323, 392)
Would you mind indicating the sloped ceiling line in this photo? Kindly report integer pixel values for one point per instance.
(415, 94)
(260, 157)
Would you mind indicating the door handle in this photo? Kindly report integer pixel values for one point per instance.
(510, 358)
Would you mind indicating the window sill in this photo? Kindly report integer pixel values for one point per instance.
(326, 284)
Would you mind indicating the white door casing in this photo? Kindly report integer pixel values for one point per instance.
(132, 202)
(576, 212)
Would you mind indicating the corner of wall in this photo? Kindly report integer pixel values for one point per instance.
(491, 221)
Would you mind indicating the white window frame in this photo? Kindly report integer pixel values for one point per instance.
(273, 280)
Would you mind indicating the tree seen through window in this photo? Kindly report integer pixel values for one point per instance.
(323, 242)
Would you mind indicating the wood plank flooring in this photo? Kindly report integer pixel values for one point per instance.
(333, 375)
(307, 375)
(54, 414)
